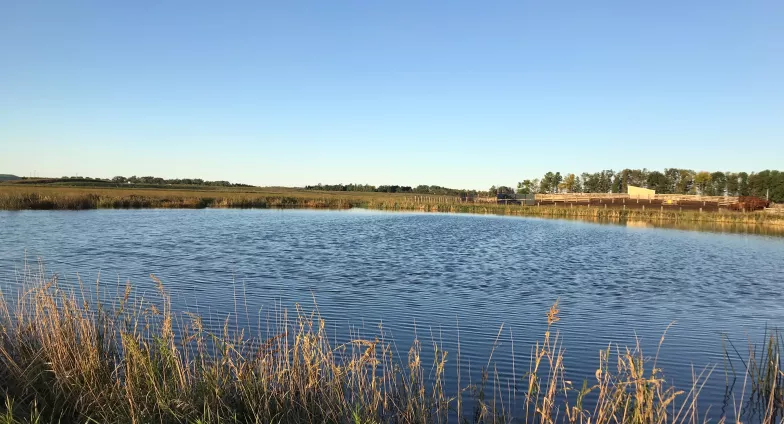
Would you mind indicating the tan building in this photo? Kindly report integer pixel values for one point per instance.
(640, 193)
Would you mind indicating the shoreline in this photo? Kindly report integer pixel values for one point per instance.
(51, 198)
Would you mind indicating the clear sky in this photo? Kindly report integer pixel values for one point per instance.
(455, 93)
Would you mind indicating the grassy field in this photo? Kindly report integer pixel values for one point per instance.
(21, 197)
(66, 358)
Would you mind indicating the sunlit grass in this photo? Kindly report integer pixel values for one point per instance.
(16, 197)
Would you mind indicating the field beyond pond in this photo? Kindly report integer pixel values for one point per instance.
(31, 197)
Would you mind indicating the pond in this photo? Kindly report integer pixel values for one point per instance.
(434, 275)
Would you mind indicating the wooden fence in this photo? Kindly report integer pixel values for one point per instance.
(666, 198)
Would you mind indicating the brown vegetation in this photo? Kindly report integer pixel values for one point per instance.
(15, 197)
(67, 358)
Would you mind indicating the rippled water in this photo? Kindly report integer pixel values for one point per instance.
(434, 273)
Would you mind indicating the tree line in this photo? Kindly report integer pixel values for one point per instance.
(767, 183)
(175, 181)
(420, 189)
(147, 180)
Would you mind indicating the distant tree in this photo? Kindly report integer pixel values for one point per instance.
(592, 183)
(657, 181)
(673, 177)
(422, 189)
(636, 177)
(702, 181)
(505, 190)
(685, 183)
(760, 184)
(535, 185)
(776, 186)
(743, 184)
(524, 187)
(718, 185)
(557, 181)
(546, 183)
(732, 183)
(119, 179)
(605, 180)
(618, 183)
(569, 184)
(585, 176)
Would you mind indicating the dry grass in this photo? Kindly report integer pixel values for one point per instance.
(18, 197)
(65, 357)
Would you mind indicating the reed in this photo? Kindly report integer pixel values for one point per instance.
(15, 197)
(67, 357)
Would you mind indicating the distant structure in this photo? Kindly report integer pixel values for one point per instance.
(641, 193)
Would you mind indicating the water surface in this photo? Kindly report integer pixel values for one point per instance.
(431, 274)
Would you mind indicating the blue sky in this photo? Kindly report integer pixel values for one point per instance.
(460, 94)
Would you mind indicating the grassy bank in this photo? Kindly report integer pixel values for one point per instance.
(65, 358)
(75, 198)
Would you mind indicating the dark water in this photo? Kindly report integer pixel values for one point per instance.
(426, 273)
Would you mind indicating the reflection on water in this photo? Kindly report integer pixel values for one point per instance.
(711, 226)
(724, 227)
(431, 274)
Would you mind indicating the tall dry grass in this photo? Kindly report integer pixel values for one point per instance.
(15, 197)
(67, 357)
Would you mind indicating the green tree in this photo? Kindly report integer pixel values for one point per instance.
(546, 183)
(592, 183)
(556, 182)
(776, 186)
(606, 180)
(702, 181)
(743, 184)
(524, 187)
(685, 184)
(718, 185)
(569, 184)
(657, 181)
(732, 184)
(505, 190)
(673, 177)
(535, 185)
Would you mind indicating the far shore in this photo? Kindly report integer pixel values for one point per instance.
(30, 197)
